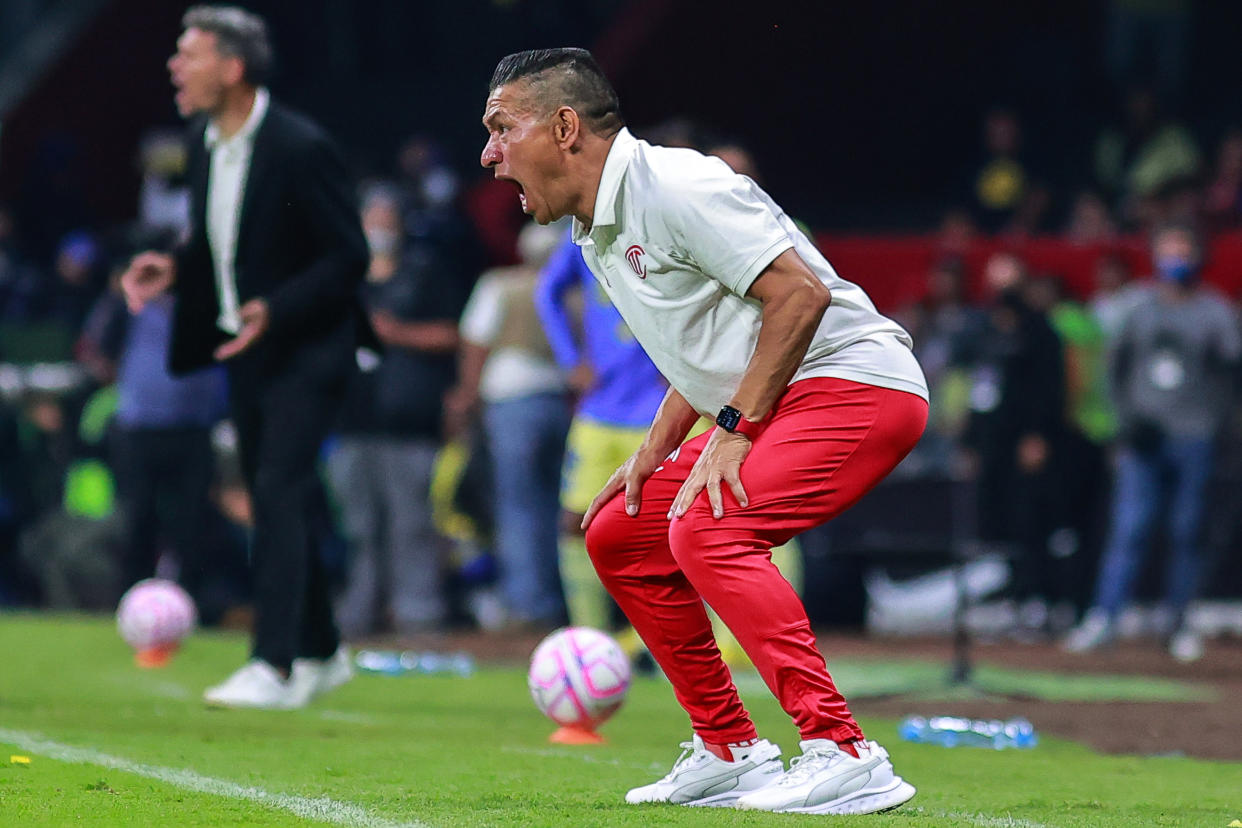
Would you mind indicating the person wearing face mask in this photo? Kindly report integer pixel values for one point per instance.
(1170, 373)
(380, 469)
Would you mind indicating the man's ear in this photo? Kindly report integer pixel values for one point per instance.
(566, 127)
(234, 70)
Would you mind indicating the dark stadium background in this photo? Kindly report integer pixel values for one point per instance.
(862, 114)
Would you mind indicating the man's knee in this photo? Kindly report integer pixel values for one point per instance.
(691, 538)
(605, 539)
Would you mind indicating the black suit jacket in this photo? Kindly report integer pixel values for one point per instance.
(300, 246)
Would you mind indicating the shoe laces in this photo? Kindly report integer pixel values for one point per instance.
(812, 761)
(690, 757)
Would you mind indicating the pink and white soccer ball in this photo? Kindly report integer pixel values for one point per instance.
(155, 613)
(578, 677)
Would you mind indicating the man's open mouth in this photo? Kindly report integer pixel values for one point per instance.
(521, 191)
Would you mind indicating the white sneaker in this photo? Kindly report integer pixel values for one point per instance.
(313, 677)
(1096, 630)
(256, 684)
(827, 780)
(699, 777)
(1186, 646)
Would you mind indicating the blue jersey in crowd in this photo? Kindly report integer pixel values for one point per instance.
(148, 395)
(628, 388)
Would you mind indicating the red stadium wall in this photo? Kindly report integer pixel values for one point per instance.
(893, 269)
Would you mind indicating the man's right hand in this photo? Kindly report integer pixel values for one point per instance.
(149, 274)
(630, 477)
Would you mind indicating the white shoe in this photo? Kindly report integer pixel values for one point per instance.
(827, 780)
(256, 684)
(1186, 646)
(313, 676)
(699, 777)
(1096, 630)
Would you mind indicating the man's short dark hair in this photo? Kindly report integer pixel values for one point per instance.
(565, 77)
(239, 34)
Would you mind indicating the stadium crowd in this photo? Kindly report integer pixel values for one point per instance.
(1069, 410)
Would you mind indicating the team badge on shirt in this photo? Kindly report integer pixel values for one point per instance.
(634, 255)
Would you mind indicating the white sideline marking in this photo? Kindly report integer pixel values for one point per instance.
(321, 809)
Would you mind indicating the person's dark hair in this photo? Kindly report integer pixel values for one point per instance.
(565, 77)
(239, 33)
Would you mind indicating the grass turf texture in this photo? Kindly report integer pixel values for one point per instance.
(110, 744)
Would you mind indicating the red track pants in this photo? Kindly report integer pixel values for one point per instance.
(827, 442)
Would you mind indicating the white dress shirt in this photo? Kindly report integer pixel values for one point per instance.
(226, 185)
(677, 240)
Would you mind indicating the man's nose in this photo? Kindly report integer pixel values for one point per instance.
(491, 154)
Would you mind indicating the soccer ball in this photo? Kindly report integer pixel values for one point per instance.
(153, 617)
(578, 677)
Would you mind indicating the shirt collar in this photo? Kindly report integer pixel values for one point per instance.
(623, 148)
(257, 110)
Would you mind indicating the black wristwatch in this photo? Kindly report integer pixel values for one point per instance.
(732, 421)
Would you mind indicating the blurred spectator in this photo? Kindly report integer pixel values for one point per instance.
(428, 180)
(1082, 455)
(1089, 221)
(957, 234)
(1222, 204)
(1115, 296)
(618, 390)
(737, 157)
(61, 299)
(508, 365)
(69, 540)
(1017, 401)
(1005, 193)
(161, 449)
(1145, 161)
(946, 330)
(674, 132)
(164, 197)
(1171, 372)
(381, 467)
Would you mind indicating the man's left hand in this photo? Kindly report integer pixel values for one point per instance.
(721, 460)
(255, 318)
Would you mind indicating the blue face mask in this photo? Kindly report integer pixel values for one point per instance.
(1176, 270)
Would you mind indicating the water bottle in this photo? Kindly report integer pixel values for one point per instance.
(455, 664)
(385, 662)
(393, 663)
(951, 731)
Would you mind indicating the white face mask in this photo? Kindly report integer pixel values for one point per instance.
(382, 242)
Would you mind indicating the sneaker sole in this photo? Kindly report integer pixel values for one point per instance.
(720, 800)
(865, 801)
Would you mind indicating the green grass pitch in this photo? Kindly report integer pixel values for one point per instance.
(109, 744)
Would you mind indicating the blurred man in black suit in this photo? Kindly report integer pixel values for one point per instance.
(267, 282)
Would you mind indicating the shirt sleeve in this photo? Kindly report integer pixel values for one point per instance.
(559, 275)
(480, 321)
(728, 228)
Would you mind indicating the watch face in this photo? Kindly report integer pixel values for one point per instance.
(728, 418)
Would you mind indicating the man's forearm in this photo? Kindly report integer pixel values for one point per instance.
(672, 422)
(789, 324)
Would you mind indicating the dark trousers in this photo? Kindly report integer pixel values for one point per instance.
(281, 423)
(164, 479)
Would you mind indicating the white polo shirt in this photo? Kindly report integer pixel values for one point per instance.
(678, 238)
(226, 187)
